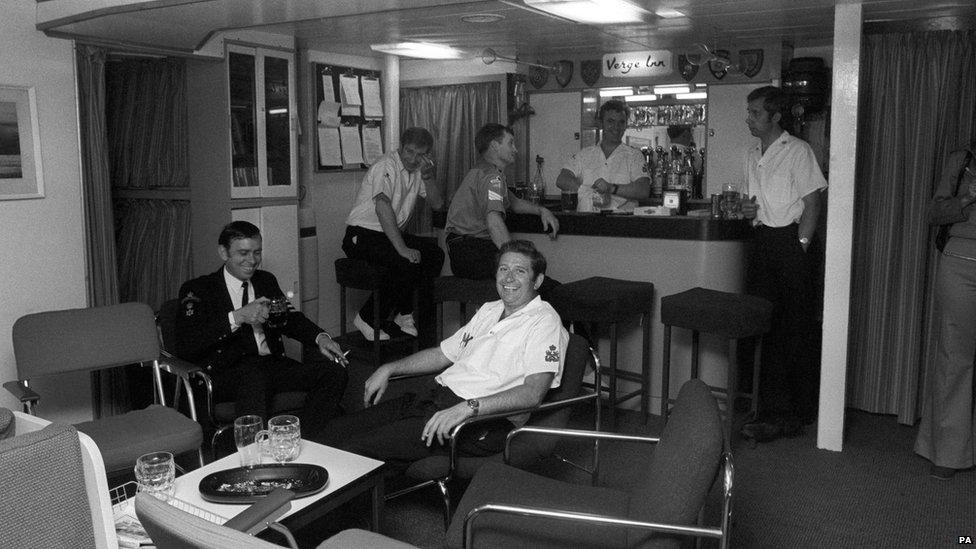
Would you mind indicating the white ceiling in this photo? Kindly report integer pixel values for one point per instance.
(350, 26)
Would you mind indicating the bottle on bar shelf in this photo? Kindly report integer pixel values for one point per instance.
(537, 187)
(658, 179)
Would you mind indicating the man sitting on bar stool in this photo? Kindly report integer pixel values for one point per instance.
(476, 218)
(374, 232)
(223, 324)
(506, 358)
(785, 182)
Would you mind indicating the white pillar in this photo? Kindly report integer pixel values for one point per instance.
(391, 101)
(840, 225)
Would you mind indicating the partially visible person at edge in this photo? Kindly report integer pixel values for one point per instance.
(608, 175)
(374, 233)
(475, 226)
(947, 432)
(786, 188)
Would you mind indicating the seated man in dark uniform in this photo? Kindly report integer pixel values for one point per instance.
(506, 358)
(223, 324)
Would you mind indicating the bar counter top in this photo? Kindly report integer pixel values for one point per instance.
(676, 227)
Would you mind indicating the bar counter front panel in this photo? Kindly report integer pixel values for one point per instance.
(675, 253)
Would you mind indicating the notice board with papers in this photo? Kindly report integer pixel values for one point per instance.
(348, 117)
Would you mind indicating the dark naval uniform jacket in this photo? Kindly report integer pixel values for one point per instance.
(203, 333)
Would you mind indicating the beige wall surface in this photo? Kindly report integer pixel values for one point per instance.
(42, 250)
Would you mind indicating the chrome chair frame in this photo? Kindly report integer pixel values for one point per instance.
(443, 483)
(722, 533)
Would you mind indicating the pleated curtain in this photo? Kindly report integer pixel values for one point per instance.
(453, 114)
(918, 103)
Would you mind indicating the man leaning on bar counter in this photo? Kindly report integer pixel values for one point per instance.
(785, 184)
(476, 217)
(609, 169)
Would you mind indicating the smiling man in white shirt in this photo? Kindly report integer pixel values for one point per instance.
(506, 358)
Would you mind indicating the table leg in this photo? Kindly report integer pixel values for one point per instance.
(378, 493)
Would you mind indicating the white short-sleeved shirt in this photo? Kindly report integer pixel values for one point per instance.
(624, 166)
(780, 178)
(492, 355)
(387, 176)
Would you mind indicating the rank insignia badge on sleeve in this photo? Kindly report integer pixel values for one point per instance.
(189, 303)
(552, 354)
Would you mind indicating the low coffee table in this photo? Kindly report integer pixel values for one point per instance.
(350, 475)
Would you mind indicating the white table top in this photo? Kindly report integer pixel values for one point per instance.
(343, 467)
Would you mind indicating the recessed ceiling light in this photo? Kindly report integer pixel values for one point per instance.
(482, 18)
(422, 50)
(672, 89)
(668, 13)
(595, 12)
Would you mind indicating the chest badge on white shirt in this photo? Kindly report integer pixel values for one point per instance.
(465, 339)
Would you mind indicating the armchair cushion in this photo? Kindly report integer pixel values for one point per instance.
(43, 487)
(499, 483)
(7, 423)
(355, 538)
(122, 439)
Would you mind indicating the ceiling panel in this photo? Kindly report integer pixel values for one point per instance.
(347, 26)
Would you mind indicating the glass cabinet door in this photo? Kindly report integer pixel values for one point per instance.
(242, 69)
(262, 108)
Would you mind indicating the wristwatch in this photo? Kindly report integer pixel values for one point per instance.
(804, 241)
(615, 189)
(473, 404)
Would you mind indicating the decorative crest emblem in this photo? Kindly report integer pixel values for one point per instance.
(590, 71)
(719, 68)
(688, 70)
(538, 77)
(751, 62)
(564, 72)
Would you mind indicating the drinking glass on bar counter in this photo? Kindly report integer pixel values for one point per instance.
(246, 429)
(730, 201)
(156, 474)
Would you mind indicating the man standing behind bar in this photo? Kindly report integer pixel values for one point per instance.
(476, 218)
(222, 323)
(383, 206)
(607, 169)
(785, 183)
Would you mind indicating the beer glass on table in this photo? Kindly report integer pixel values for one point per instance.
(278, 312)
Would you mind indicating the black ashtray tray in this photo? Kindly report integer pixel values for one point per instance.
(247, 485)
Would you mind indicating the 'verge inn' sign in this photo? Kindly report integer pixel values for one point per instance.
(637, 64)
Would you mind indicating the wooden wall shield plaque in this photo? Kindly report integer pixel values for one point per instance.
(590, 71)
(719, 68)
(751, 62)
(687, 68)
(564, 72)
(538, 77)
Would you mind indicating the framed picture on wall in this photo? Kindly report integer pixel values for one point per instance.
(20, 144)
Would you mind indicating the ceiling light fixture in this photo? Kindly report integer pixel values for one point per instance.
(642, 97)
(695, 95)
(617, 92)
(671, 90)
(597, 12)
(482, 18)
(420, 50)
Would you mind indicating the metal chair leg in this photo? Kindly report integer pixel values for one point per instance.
(446, 496)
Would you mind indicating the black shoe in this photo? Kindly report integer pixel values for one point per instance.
(942, 473)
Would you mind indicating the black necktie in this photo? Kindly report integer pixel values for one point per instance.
(247, 331)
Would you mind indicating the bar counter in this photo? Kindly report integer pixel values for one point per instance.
(674, 253)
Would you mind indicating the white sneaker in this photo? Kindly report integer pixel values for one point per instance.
(367, 330)
(405, 322)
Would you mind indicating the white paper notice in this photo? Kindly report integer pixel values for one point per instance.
(372, 104)
(328, 91)
(329, 147)
(372, 144)
(329, 114)
(349, 92)
(352, 150)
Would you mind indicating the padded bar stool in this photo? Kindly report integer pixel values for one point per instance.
(360, 275)
(732, 316)
(463, 291)
(601, 300)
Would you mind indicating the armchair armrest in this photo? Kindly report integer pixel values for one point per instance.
(574, 433)
(481, 418)
(538, 512)
(177, 366)
(28, 398)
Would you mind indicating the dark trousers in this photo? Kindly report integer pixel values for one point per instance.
(390, 431)
(474, 258)
(779, 270)
(396, 292)
(255, 379)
